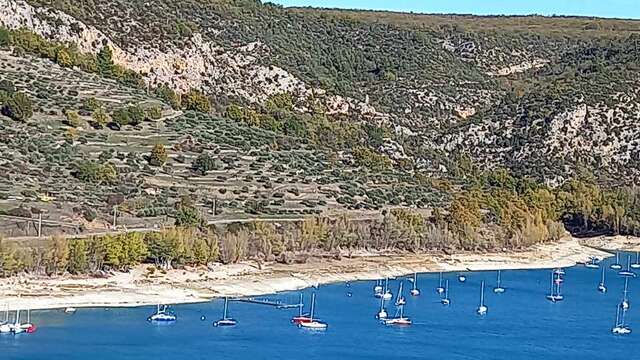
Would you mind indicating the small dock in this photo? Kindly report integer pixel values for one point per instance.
(268, 302)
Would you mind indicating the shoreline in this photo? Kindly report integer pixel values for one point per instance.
(140, 288)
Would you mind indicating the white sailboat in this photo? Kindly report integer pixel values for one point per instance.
(5, 327)
(400, 300)
(620, 328)
(377, 289)
(554, 294)
(162, 315)
(414, 290)
(601, 286)
(499, 289)
(440, 288)
(616, 265)
(387, 295)
(226, 320)
(627, 272)
(19, 327)
(482, 308)
(636, 265)
(445, 299)
(313, 324)
(399, 319)
(593, 263)
(625, 304)
(382, 314)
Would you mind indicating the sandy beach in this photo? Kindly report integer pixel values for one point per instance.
(140, 287)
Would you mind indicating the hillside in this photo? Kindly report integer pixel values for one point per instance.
(231, 109)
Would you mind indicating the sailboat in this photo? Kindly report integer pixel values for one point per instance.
(226, 320)
(382, 314)
(636, 265)
(387, 293)
(314, 324)
(445, 299)
(162, 315)
(377, 289)
(440, 288)
(302, 317)
(593, 263)
(482, 308)
(414, 289)
(627, 271)
(625, 304)
(601, 286)
(400, 300)
(499, 289)
(5, 327)
(620, 328)
(399, 319)
(27, 327)
(554, 294)
(616, 265)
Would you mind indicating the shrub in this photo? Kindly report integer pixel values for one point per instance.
(131, 115)
(188, 216)
(158, 155)
(5, 37)
(196, 101)
(100, 117)
(203, 163)
(154, 112)
(18, 107)
(72, 118)
(96, 173)
(7, 86)
(91, 104)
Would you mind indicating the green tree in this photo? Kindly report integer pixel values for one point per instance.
(203, 163)
(158, 155)
(167, 94)
(78, 261)
(57, 255)
(104, 60)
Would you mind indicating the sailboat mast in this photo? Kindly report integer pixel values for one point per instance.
(499, 278)
(482, 293)
(603, 272)
(617, 316)
(626, 288)
(301, 304)
(446, 289)
(386, 284)
(440, 281)
(226, 304)
(313, 305)
(415, 281)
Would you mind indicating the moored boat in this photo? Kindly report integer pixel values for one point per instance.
(226, 320)
(314, 324)
(482, 308)
(162, 315)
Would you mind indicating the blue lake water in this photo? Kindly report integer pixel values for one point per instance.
(520, 324)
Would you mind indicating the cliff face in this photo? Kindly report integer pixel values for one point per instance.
(539, 99)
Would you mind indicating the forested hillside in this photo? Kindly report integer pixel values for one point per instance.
(492, 130)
